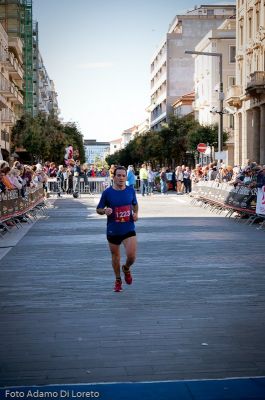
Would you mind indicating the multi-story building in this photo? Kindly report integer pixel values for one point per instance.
(183, 105)
(11, 80)
(39, 93)
(171, 69)
(207, 80)
(16, 18)
(115, 145)
(96, 150)
(128, 135)
(44, 94)
(248, 93)
(28, 88)
(143, 127)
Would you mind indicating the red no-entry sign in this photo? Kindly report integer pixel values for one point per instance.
(202, 147)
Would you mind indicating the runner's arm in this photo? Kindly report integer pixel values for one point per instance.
(104, 211)
(135, 212)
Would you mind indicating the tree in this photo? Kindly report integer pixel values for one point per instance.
(204, 134)
(75, 138)
(45, 137)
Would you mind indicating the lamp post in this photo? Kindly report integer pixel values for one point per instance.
(221, 93)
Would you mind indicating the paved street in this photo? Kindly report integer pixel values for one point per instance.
(195, 309)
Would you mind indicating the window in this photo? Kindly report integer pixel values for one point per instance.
(241, 35)
(232, 54)
(231, 121)
(250, 27)
(231, 81)
(257, 19)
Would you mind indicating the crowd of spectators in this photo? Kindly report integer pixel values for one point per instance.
(182, 178)
(252, 175)
(19, 177)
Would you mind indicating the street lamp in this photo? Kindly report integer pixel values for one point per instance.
(221, 94)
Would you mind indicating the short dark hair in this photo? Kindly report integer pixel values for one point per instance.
(119, 167)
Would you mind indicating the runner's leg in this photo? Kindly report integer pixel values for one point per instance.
(130, 245)
(115, 254)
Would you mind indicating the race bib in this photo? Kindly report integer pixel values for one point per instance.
(122, 214)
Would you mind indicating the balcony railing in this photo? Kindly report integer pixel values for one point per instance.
(3, 102)
(16, 96)
(15, 69)
(233, 96)
(4, 136)
(4, 85)
(10, 91)
(7, 117)
(256, 85)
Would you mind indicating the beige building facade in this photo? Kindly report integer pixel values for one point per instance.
(207, 80)
(11, 82)
(248, 93)
(171, 69)
(115, 145)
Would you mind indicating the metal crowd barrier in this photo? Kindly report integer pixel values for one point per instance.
(15, 208)
(238, 201)
(78, 184)
(226, 194)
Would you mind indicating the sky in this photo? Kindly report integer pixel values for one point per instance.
(98, 54)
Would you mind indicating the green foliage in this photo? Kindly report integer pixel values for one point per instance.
(100, 164)
(169, 146)
(75, 138)
(202, 134)
(45, 137)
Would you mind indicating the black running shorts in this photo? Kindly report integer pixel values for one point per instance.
(118, 239)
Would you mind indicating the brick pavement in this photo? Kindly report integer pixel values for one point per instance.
(194, 311)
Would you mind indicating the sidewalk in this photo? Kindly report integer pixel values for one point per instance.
(194, 311)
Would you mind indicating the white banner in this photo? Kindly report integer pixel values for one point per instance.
(260, 207)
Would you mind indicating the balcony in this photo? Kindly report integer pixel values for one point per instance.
(159, 118)
(233, 97)
(15, 44)
(7, 117)
(4, 86)
(3, 102)
(256, 85)
(16, 97)
(14, 68)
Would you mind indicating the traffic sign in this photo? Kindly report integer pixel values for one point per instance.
(202, 147)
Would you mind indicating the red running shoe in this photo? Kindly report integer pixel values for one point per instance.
(118, 286)
(127, 276)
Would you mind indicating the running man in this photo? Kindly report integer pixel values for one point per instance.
(120, 205)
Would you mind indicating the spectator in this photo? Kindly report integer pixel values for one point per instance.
(244, 178)
(52, 171)
(163, 181)
(179, 180)
(143, 174)
(111, 173)
(2, 185)
(212, 172)
(187, 180)
(150, 180)
(131, 178)
(60, 180)
(16, 179)
(261, 177)
(6, 179)
(77, 173)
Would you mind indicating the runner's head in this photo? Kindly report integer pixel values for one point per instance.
(120, 168)
(120, 176)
